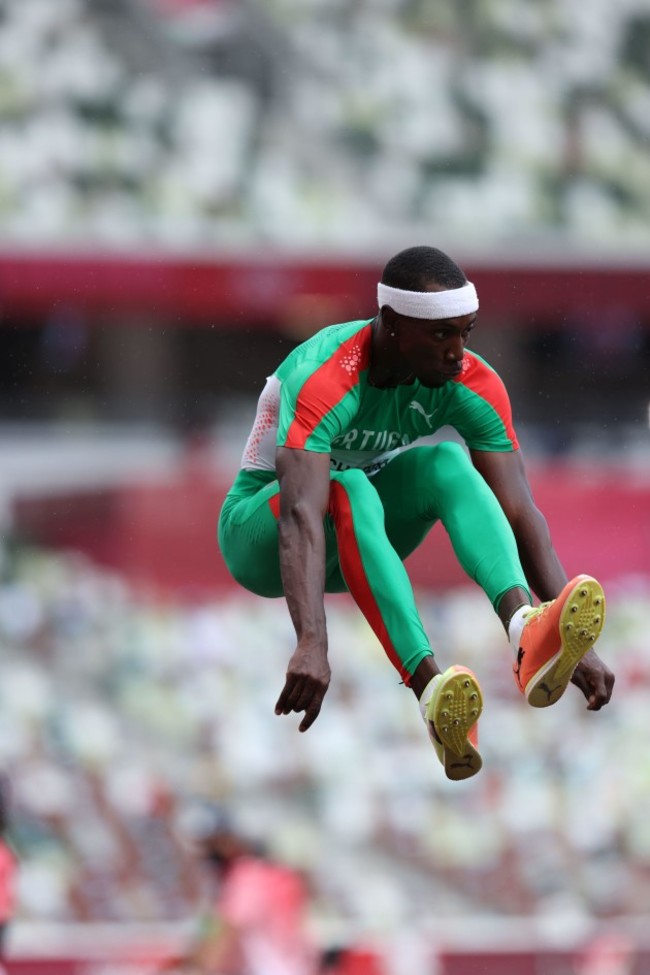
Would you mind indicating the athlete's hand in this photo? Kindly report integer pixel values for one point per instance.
(595, 680)
(308, 677)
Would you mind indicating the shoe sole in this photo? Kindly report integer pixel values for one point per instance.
(581, 623)
(453, 711)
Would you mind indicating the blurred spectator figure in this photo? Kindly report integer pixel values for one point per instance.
(607, 954)
(256, 920)
(8, 867)
(350, 961)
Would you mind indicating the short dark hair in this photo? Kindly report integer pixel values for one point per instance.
(416, 267)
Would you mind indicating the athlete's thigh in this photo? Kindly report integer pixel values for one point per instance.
(402, 487)
(248, 539)
(360, 492)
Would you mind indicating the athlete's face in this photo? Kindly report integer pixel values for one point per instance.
(433, 350)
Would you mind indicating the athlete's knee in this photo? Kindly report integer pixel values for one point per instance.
(450, 465)
(441, 473)
(450, 453)
(261, 583)
(255, 570)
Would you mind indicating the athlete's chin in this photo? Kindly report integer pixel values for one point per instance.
(434, 380)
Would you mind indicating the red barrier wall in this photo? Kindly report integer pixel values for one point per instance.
(263, 290)
(165, 534)
(494, 962)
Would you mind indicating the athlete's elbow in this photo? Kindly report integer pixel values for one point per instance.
(299, 515)
(528, 521)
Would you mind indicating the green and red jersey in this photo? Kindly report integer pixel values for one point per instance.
(320, 399)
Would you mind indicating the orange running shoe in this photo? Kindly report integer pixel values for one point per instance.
(452, 715)
(555, 638)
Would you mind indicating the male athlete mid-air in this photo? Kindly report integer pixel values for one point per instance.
(332, 497)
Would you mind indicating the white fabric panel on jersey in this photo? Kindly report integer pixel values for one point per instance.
(259, 452)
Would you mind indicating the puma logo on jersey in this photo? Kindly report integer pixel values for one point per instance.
(414, 405)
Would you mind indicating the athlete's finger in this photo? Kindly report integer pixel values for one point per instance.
(310, 715)
(312, 690)
(595, 681)
(599, 697)
(290, 694)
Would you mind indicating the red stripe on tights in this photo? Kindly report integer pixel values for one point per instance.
(274, 504)
(355, 575)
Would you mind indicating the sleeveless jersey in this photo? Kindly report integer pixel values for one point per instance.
(320, 399)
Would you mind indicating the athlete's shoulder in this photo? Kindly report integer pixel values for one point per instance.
(347, 342)
(477, 374)
(473, 363)
(480, 396)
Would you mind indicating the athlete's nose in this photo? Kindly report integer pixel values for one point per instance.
(456, 349)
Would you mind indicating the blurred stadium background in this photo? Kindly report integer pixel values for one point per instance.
(187, 189)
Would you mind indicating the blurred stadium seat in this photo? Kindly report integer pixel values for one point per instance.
(324, 124)
(115, 704)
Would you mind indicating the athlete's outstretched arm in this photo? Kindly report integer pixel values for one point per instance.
(304, 478)
(506, 475)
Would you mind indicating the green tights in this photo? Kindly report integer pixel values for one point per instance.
(371, 526)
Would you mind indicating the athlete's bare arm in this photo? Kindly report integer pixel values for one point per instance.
(304, 478)
(506, 475)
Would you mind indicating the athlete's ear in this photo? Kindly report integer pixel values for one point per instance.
(389, 319)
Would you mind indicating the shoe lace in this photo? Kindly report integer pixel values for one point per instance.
(536, 611)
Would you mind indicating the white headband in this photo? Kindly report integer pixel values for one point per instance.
(429, 304)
